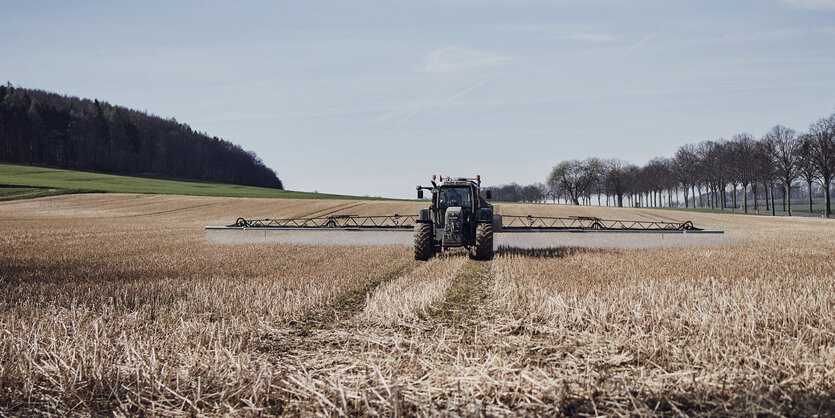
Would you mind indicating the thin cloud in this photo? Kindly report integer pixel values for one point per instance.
(454, 58)
(559, 32)
(812, 4)
(588, 37)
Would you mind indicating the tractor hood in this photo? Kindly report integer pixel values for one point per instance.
(453, 220)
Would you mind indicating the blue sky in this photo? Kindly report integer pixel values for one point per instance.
(371, 98)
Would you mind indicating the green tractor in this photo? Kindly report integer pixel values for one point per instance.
(459, 216)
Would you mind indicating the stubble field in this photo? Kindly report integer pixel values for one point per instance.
(121, 304)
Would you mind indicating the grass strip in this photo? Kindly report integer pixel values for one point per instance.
(468, 289)
(8, 193)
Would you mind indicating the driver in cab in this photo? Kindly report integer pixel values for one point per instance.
(455, 197)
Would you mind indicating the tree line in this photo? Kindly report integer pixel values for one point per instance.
(42, 128)
(532, 193)
(715, 174)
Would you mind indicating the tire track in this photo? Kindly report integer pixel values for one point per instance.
(340, 346)
(411, 299)
(325, 364)
(170, 211)
(293, 339)
(329, 210)
(352, 302)
(466, 294)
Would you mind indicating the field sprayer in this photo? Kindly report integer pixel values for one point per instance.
(459, 216)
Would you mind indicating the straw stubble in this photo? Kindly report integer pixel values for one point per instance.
(121, 304)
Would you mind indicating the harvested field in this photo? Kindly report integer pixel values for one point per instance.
(124, 304)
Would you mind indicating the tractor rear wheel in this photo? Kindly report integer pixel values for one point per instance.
(423, 241)
(483, 249)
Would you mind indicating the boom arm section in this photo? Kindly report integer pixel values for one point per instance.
(514, 223)
(394, 222)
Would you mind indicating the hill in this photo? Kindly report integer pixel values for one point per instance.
(17, 181)
(42, 128)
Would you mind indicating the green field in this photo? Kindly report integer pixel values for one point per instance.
(19, 181)
(799, 205)
(705, 210)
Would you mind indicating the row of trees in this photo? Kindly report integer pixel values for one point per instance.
(711, 173)
(38, 127)
(532, 193)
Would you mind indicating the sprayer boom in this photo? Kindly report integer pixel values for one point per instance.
(460, 216)
(509, 223)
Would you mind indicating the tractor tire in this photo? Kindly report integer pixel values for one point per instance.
(483, 249)
(423, 241)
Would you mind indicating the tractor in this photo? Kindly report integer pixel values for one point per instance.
(458, 216)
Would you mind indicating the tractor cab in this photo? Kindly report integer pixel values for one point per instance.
(461, 194)
(455, 195)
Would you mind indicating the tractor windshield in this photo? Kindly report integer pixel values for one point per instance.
(456, 196)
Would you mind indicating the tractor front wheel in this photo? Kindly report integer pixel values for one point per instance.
(423, 241)
(483, 249)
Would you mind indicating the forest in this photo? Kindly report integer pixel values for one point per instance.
(744, 172)
(48, 129)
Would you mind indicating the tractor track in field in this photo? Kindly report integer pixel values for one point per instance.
(294, 338)
(176, 210)
(468, 290)
(350, 303)
(336, 342)
(329, 210)
(466, 293)
(461, 307)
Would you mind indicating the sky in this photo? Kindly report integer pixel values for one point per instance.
(373, 97)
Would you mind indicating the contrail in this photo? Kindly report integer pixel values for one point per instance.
(430, 101)
(623, 54)
(465, 91)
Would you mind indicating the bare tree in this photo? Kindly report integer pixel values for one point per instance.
(785, 149)
(532, 193)
(806, 164)
(597, 169)
(668, 179)
(651, 179)
(507, 192)
(572, 177)
(766, 172)
(743, 147)
(630, 175)
(726, 176)
(617, 178)
(822, 138)
(685, 166)
(658, 177)
(710, 169)
(542, 192)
